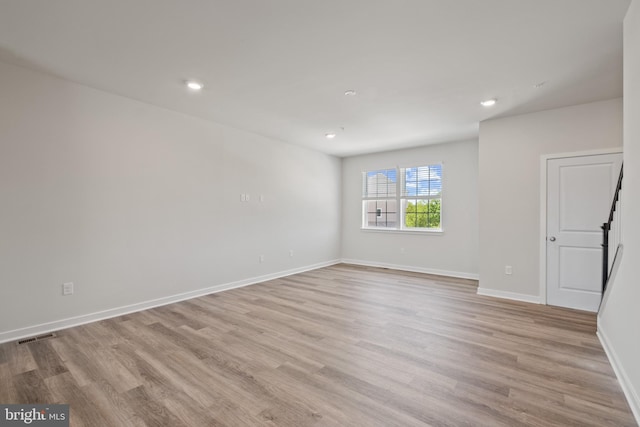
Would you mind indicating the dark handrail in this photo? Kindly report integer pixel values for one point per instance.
(616, 195)
(605, 255)
(606, 227)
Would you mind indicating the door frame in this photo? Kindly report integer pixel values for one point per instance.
(544, 161)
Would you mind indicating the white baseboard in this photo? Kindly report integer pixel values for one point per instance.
(509, 295)
(627, 387)
(472, 276)
(57, 325)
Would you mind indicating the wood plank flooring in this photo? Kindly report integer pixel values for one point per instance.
(338, 346)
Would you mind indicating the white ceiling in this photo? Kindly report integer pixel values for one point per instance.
(280, 67)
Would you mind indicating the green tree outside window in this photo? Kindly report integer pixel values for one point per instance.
(423, 214)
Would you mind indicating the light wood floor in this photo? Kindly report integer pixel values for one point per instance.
(339, 346)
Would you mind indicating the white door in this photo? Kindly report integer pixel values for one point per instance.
(579, 195)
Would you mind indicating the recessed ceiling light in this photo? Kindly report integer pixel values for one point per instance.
(489, 102)
(330, 135)
(350, 92)
(193, 85)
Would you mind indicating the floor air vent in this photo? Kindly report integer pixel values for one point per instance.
(38, 338)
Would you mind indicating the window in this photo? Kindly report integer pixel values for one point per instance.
(403, 198)
(380, 203)
(422, 196)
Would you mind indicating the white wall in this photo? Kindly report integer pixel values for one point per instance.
(619, 317)
(453, 252)
(134, 203)
(510, 150)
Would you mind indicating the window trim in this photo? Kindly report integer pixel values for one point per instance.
(399, 198)
(378, 197)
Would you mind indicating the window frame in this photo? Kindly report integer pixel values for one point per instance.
(400, 200)
(367, 199)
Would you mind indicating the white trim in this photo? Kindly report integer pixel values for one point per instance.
(544, 159)
(627, 386)
(584, 153)
(57, 325)
(460, 275)
(432, 231)
(509, 295)
(543, 229)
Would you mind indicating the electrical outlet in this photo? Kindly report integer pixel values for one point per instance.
(508, 270)
(243, 197)
(67, 288)
(248, 196)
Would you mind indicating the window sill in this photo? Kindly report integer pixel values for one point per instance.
(435, 232)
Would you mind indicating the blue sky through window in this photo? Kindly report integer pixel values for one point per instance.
(423, 181)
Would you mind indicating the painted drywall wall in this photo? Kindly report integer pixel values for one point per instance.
(619, 316)
(509, 186)
(453, 252)
(132, 203)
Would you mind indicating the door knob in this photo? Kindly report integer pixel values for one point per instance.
(552, 238)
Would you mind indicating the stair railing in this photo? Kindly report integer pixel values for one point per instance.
(611, 235)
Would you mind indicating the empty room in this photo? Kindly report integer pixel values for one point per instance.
(336, 213)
